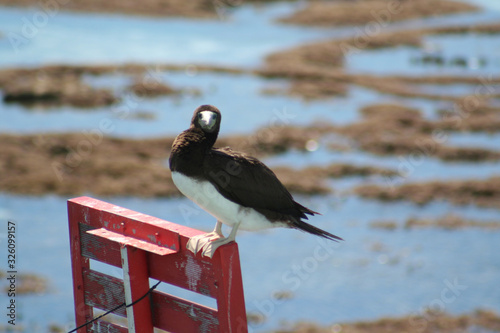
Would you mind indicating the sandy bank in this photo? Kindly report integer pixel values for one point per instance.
(448, 222)
(483, 193)
(195, 8)
(313, 66)
(73, 164)
(426, 322)
(338, 13)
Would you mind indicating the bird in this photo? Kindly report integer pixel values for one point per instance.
(237, 189)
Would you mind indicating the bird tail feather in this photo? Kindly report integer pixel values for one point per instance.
(303, 226)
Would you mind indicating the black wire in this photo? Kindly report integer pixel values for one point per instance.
(99, 317)
(117, 307)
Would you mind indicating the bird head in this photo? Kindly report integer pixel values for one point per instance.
(207, 118)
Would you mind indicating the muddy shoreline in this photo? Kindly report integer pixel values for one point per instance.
(483, 193)
(75, 163)
(427, 322)
(339, 13)
(313, 66)
(447, 222)
(72, 164)
(195, 9)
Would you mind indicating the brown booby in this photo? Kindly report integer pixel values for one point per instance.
(237, 189)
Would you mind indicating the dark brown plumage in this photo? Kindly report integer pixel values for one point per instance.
(238, 177)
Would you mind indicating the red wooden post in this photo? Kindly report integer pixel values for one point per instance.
(83, 312)
(231, 318)
(148, 247)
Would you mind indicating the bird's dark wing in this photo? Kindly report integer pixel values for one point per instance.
(247, 181)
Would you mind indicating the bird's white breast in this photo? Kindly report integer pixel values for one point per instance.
(207, 197)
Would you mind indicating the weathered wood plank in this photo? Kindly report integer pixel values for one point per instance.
(131, 241)
(102, 326)
(103, 291)
(175, 314)
(191, 272)
(170, 313)
(100, 214)
(102, 250)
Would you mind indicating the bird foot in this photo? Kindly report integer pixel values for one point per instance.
(207, 243)
(209, 248)
(196, 243)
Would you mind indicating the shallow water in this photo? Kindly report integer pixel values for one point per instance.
(480, 54)
(402, 270)
(95, 38)
(239, 97)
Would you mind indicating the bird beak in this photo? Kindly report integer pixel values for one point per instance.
(208, 120)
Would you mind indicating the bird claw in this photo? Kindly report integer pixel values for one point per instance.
(207, 243)
(201, 242)
(209, 248)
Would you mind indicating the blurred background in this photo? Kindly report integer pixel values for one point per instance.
(382, 115)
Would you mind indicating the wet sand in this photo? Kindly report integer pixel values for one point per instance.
(312, 70)
(69, 164)
(320, 64)
(393, 129)
(428, 322)
(339, 13)
(483, 193)
(57, 85)
(72, 164)
(200, 9)
(47, 91)
(26, 283)
(197, 8)
(448, 222)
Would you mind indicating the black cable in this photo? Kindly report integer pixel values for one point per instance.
(117, 307)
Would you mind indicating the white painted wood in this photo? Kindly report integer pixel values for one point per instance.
(128, 290)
